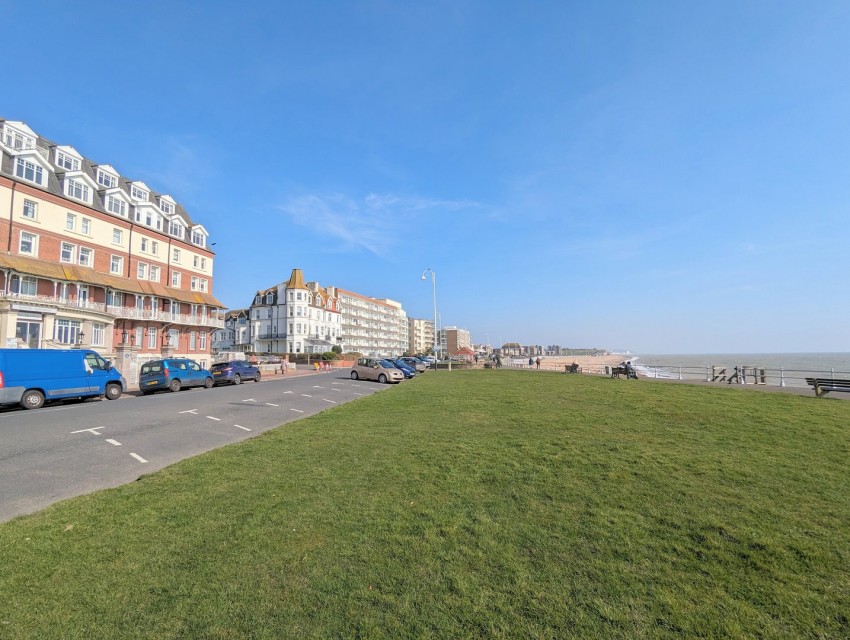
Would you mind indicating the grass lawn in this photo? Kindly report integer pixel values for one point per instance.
(470, 504)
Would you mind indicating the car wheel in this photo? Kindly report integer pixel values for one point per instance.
(382, 379)
(113, 391)
(237, 379)
(32, 399)
(146, 393)
(208, 383)
(354, 375)
(175, 385)
(259, 377)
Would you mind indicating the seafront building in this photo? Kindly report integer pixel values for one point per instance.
(373, 326)
(420, 336)
(455, 339)
(95, 259)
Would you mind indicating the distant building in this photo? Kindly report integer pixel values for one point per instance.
(420, 335)
(372, 326)
(456, 339)
(235, 336)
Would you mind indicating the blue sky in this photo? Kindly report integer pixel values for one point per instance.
(664, 177)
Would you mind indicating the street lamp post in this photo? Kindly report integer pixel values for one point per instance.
(434, 281)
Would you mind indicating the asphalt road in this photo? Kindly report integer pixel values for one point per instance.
(66, 450)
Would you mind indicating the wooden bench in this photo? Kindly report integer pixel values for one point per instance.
(825, 385)
(616, 372)
(572, 368)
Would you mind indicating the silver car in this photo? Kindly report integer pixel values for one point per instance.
(376, 369)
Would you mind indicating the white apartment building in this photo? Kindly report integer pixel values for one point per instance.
(295, 317)
(235, 336)
(371, 326)
(420, 335)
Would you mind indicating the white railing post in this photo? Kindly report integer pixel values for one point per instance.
(680, 372)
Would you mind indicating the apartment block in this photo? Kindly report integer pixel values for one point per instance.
(455, 339)
(420, 335)
(95, 259)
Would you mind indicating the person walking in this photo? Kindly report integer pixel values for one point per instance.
(538, 362)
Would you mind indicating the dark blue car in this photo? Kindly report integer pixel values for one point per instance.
(402, 366)
(234, 372)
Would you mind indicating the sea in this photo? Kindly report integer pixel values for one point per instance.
(780, 369)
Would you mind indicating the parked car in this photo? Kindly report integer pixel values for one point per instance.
(235, 372)
(31, 376)
(173, 374)
(416, 363)
(402, 366)
(376, 369)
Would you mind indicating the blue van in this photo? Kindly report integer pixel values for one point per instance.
(31, 376)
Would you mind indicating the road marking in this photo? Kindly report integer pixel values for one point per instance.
(317, 386)
(249, 400)
(306, 395)
(298, 410)
(115, 442)
(358, 394)
(214, 418)
(331, 401)
(194, 411)
(239, 426)
(271, 404)
(288, 392)
(332, 389)
(93, 430)
(138, 457)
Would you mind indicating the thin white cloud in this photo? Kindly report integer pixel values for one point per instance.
(376, 223)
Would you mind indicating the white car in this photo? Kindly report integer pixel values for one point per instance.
(376, 369)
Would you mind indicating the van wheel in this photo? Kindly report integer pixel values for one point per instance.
(32, 399)
(237, 379)
(208, 383)
(382, 379)
(113, 391)
(354, 375)
(175, 385)
(259, 377)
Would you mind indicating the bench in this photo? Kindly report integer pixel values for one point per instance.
(616, 372)
(572, 368)
(825, 385)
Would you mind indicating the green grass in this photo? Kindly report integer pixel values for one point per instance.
(470, 504)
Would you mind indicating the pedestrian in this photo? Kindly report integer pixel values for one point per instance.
(530, 363)
(538, 362)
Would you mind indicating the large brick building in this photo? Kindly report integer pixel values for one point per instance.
(91, 258)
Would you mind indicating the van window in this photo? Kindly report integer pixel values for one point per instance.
(94, 361)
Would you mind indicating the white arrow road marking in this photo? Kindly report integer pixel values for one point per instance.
(193, 411)
(239, 426)
(213, 418)
(138, 457)
(331, 401)
(115, 442)
(298, 410)
(333, 389)
(271, 404)
(357, 394)
(93, 430)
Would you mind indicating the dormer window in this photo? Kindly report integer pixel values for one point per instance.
(269, 298)
(16, 139)
(198, 239)
(106, 179)
(166, 206)
(175, 229)
(116, 205)
(77, 189)
(65, 160)
(29, 171)
(137, 193)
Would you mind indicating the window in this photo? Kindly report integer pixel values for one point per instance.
(106, 179)
(195, 285)
(175, 255)
(154, 273)
(154, 247)
(65, 161)
(175, 279)
(116, 205)
(77, 189)
(151, 337)
(17, 140)
(174, 338)
(86, 257)
(193, 340)
(97, 334)
(85, 226)
(29, 244)
(138, 194)
(145, 245)
(269, 298)
(66, 253)
(166, 206)
(30, 209)
(203, 341)
(70, 222)
(26, 286)
(175, 229)
(114, 299)
(117, 236)
(30, 171)
(142, 271)
(140, 335)
(198, 238)
(200, 263)
(66, 331)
